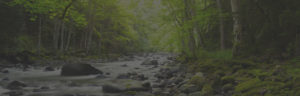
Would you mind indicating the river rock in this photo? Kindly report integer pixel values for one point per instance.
(150, 62)
(68, 95)
(5, 79)
(112, 89)
(145, 87)
(189, 88)
(137, 68)
(100, 76)
(107, 73)
(5, 71)
(79, 70)
(138, 89)
(132, 73)
(163, 84)
(141, 77)
(124, 65)
(15, 85)
(178, 80)
(49, 69)
(198, 93)
(45, 88)
(171, 58)
(14, 93)
(123, 76)
(73, 84)
(146, 84)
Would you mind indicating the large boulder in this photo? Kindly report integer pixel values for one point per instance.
(15, 85)
(79, 70)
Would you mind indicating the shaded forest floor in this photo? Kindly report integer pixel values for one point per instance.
(244, 77)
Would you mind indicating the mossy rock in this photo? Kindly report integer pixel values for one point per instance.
(245, 86)
(297, 92)
(228, 79)
(256, 87)
(207, 90)
(243, 63)
(227, 87)
(131, 93)
(199, 81)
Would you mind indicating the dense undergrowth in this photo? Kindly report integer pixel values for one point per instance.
(31, 57)
(245, 77)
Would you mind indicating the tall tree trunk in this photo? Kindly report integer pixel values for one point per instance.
(63, 25)
(237, 27)
(221, 21)
(200, 39)
(92, 9)
(189, 13)
(56, 30)
(40, 36)
(68, 39)
(62, 32)
(85, 39)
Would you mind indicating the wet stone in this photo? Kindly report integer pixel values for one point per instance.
(5, 71)
(45, 88)
(14, 93)
(73, 84)
(111, 89)
(5, 79)
(100, 76)
(68, 95)
(49, 69)
(137, 68)
(146, 84)
(124, 65)
(15, 85)
(123, 76)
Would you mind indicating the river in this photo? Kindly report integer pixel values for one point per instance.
(50, 83)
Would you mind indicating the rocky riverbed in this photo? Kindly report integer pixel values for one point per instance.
(157, 74)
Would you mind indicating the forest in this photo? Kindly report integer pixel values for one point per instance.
(149, 48)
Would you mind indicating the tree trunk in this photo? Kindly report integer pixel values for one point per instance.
(92, 9)
(56, 34)
(40, 36)
(237, 27)
(189, 13)
(68, 39)
(62, 36)
(221, 21)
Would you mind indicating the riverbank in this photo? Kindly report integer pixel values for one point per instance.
(245, 77)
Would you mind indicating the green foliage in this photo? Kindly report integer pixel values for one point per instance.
(107, 22)
(24, 43)
(131, 93)
(219, 55)
(207, 90)
(198, 81)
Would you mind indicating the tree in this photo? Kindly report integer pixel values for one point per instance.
(237, 27)
(221, 22)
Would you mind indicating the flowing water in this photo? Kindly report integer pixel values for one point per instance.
(57, 85)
